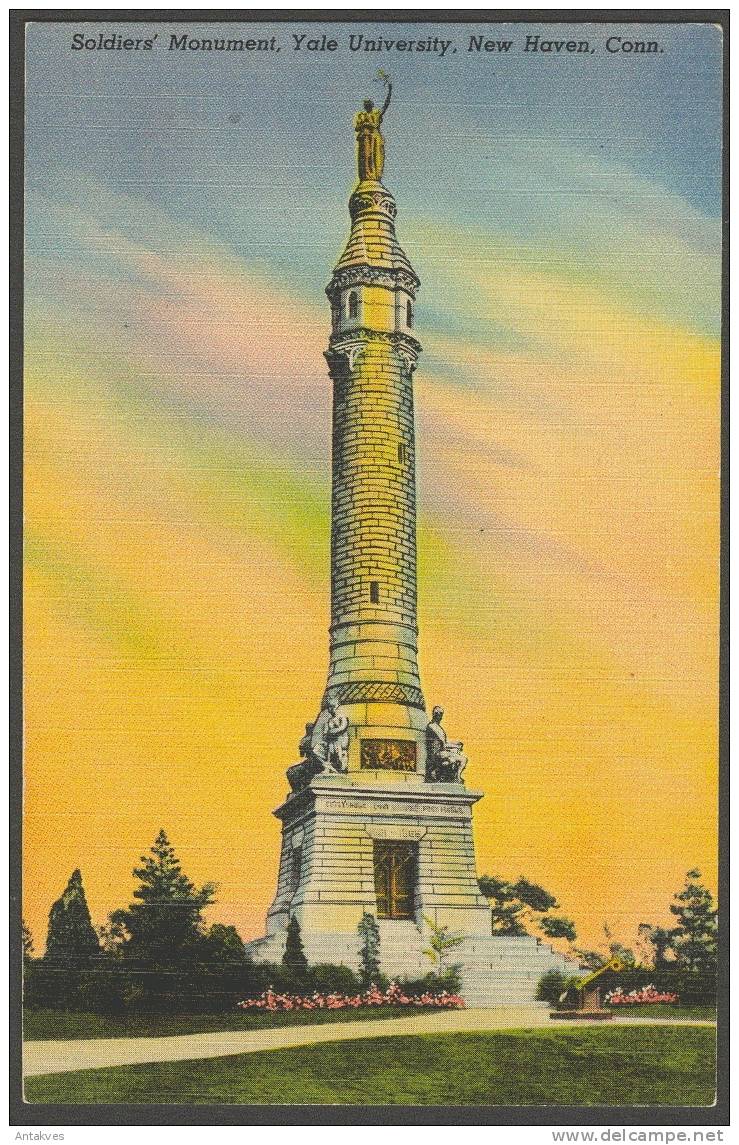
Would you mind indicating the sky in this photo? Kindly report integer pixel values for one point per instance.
(184, 213)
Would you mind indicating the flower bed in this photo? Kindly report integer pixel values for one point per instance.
(645, 995)
(393, 996)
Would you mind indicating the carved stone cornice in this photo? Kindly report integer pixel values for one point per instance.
(378, 201)
(362, 692)
(344, 349)
(339, 356)
(364, 275)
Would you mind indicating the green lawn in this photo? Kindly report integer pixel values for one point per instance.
(55, 1025)
(653, 1066)
(61, 1025)
(666, 1010)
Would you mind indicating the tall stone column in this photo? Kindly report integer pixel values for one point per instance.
(373, 671)
(370, 824)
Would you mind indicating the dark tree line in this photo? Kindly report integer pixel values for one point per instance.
(155, 954)
(158, 955)
(689, 946)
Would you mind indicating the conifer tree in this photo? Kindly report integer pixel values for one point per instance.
(165, 923)
(557, 926)
(369, 950)
(71, 934)
(294, 956)
(515, 907)
(694, 937)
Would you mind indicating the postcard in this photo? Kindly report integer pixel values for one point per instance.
(371, 461)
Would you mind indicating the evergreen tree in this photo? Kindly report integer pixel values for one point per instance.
(555, 926)
(694, 937)
(165, 924)
(516, 907)
(27, 941)
(294, 956)
(534, 896)
(369, 950)
(71, 933)
(505, 906)
(222, 944)
(653, 945)
(112, 938)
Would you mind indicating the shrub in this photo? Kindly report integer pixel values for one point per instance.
(647, 995)
(272, 1001)
(102, 991)
(449, 982)
(552, 986)
(48, 986)
(326, 979)
(369, 949)
(294, 956)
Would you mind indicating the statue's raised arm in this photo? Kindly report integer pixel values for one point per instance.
(386, 104)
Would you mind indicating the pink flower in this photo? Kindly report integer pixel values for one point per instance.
(273, 1002)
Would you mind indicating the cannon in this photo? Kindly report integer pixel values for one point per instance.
(588, 996)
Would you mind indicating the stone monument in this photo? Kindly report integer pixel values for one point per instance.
(378, 818)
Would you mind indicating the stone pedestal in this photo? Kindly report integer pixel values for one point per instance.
(334, 835)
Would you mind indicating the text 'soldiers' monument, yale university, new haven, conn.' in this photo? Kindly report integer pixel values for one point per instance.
(378, 818)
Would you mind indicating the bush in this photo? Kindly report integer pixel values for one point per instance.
(329, 979)
(552, 986)
(447, 983)
(102, 991)
(48, 985)
(192, 989)
(693, 989)
(113, 986)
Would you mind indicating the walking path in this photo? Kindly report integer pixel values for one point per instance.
(61, 1057)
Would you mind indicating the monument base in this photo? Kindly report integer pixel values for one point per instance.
(401, 850)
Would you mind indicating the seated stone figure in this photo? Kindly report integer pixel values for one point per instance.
(300, 774)
(444, 759)
(323, 748)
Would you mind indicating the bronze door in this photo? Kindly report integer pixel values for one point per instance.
(395, 879)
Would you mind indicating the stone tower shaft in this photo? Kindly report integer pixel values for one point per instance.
(372, 355)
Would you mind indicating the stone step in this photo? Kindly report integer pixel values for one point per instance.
(495, 971)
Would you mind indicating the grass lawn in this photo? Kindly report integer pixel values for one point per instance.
(56, 1025)
(606, 1066)
(666, 1010)
(61, 1025)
